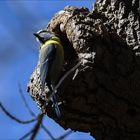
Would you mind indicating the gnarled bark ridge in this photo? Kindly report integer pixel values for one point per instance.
(102, 96)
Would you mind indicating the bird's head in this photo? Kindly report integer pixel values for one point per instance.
(42, 36)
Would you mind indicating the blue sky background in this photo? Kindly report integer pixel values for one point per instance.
(19, 19)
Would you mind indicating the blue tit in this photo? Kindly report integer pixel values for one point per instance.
(51, 58)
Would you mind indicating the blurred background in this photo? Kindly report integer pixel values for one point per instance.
(19, 19)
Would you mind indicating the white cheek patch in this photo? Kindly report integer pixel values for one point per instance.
(39, 31)
(38, 40)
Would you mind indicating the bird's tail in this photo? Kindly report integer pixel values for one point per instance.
(56, 107)
(54, 100)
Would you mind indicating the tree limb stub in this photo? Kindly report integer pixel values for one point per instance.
(102, 96)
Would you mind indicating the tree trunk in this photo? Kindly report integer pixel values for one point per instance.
(102, 96)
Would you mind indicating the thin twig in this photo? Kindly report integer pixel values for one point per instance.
(25, 102)
(47, 131)
(64, 135)
(32, 113)
(37, 127)
(26, 135)
(14, 118)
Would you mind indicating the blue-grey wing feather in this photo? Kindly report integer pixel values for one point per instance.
(47, 56)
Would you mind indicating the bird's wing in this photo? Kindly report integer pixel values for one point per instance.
(47, 55)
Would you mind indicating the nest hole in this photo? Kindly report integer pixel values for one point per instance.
(70, 54)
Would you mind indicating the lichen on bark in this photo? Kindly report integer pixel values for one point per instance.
(102, 96)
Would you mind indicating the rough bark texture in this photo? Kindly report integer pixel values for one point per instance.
(102, 96)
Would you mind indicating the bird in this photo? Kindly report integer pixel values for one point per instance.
(51, 59)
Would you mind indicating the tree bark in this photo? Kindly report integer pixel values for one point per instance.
(102, 96)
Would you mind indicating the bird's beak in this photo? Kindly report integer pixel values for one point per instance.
(35, 34)
(38, 38)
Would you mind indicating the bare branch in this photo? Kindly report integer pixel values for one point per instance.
(14, 118)
(26, 135)
(47, 131)
(37, 127)
(25, 101)
(32, 114)
(64, 135)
